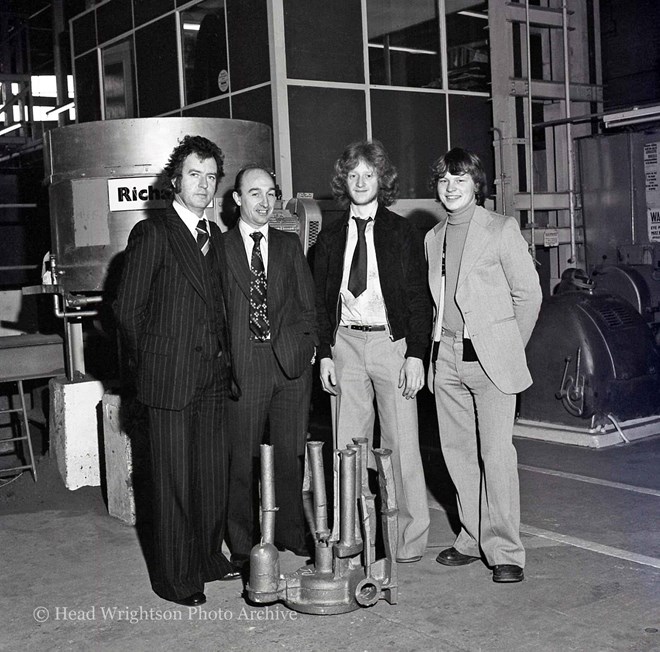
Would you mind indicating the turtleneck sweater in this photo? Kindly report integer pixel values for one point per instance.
(457, 227)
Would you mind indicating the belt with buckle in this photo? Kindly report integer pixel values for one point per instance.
(366, 328)
(453, 334)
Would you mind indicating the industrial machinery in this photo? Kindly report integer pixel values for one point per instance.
(639, 285)
(596, 369)
(346, 574)
(104, 177)
(620, 199)
(301, 216)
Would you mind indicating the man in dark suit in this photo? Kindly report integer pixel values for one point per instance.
(171, 315)
(270, 305)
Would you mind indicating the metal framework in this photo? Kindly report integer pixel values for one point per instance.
(544, 71)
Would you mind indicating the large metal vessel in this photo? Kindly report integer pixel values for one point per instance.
(106, 176)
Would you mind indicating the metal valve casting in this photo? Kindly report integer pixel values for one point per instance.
(346, 574)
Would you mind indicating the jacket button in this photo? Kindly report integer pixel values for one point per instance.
(198, 349)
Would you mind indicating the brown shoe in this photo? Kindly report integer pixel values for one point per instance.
(451, 557)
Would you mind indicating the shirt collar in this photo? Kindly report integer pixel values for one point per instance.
(373, 208)
(246, 229)
(189, 218)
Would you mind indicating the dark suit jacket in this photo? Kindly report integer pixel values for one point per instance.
(402, 274)
(290, 303)
(170, 309)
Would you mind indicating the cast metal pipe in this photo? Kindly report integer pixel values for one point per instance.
(264, 584)
(268, 507)
(347, 543)
(358, 488)
(318, 484)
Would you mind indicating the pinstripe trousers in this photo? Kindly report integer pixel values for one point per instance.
(268, 397)
(189, 460)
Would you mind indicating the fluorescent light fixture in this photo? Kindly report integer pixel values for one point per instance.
(398, 48)
(191, 27)
(473, 14)
(6, 130)
(60, 109)
(632, 116)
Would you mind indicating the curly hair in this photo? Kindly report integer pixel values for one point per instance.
(460, 161)
(373, 154)
(202, 147)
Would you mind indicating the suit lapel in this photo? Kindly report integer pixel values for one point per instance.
(275, 256)
(186, 252)
(475, 242)
(237, 260)
(434, 252)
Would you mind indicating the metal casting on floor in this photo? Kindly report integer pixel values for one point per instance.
(346, 574)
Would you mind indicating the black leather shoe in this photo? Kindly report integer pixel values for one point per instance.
(193, 600)
(240, 560)
(451, 557)
(508, 573)
(234, 574)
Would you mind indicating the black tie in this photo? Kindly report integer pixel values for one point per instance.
(357, 280)
(203, 237)
(258, 306)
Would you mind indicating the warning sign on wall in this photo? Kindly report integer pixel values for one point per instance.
(652, 181)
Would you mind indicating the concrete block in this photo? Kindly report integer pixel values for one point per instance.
(118, 462)
(74, 430)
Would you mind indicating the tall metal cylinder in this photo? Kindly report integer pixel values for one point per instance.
(106, 176)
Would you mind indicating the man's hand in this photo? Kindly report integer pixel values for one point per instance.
(328, 377)
(411, 377)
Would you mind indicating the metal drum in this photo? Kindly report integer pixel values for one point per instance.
(104, 177)
(590, 355)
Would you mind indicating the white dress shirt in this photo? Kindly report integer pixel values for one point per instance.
(190, 219)
(248, 242)
(369, 307)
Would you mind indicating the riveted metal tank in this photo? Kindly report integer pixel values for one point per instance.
(106, 176)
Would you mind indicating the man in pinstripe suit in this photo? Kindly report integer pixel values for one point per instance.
(270, 305)
(171, 314)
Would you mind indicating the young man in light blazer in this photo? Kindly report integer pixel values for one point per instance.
(487, 299)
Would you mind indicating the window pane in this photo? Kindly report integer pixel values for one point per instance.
(204, 39)
(118, 84)
(404, 43)
(468, 57)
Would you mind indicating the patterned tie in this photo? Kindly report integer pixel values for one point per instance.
(258, 306)
(203, 238)
(357, 279)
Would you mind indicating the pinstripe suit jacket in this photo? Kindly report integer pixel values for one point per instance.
(291, 312)
(498, 293)
(169, 309)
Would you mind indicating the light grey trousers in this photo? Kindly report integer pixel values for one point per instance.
(475, 421)
(367, 366)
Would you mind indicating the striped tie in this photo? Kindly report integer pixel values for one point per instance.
(258, 292)
(203, 238)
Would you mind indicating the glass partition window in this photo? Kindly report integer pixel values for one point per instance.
(118, 81)
(404, 43)
(468, 56)
(204, 43)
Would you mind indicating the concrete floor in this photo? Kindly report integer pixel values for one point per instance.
(74, 578)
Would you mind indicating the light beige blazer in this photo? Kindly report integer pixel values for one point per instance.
(498, 294)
